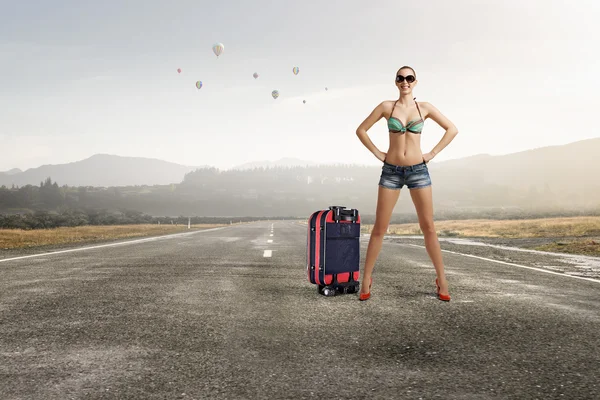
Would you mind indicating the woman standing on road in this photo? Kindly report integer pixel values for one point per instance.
(405, 164)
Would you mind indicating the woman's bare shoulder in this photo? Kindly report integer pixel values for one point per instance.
(388, 104)
(426, 108)
(385, 106)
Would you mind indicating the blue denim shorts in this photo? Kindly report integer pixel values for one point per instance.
(396, 176)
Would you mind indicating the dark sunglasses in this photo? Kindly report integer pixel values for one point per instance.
(409, 78)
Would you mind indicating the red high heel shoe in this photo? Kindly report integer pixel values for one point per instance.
(366, 296)
(443, 297)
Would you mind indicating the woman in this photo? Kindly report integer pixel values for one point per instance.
(405, 164)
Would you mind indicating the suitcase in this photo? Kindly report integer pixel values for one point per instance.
(333, 250)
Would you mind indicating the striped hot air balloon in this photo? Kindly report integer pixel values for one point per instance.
(275, 94)
(199, 85)
(295, 70)
(218, 49)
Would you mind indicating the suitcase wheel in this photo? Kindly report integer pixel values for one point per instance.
(326, 290)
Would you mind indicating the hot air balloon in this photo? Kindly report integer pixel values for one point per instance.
(255, 75)
(295, 70)
(178, 70)
(199, 85)
(218, 49)
(275, 94)
(326, 89)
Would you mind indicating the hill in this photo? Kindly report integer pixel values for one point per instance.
(103, 170)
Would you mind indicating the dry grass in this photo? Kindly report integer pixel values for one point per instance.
(19, 238)
(530, 228)
(586, 247)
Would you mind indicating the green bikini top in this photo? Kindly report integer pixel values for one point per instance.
(414, 126)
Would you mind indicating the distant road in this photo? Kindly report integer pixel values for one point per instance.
(228, 313)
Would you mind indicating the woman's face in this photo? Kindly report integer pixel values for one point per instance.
(405, 86)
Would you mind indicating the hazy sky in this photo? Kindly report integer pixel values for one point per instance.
(82, 77)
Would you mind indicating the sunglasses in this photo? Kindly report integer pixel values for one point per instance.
(409, 78)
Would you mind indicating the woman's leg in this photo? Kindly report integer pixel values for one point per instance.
(423, 200)
(386, 200)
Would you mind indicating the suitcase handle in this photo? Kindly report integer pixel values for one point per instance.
(342, 210)
(341, 214)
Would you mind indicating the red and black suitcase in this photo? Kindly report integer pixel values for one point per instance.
(333, 250)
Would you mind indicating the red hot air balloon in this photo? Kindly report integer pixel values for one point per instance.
(178, 70)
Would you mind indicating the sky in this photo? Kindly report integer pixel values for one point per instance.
(83, 77)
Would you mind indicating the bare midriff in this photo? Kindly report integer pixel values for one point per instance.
(404, 149)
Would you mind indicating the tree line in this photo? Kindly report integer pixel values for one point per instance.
(47, 220)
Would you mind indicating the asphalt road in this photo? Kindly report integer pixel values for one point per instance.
(208, 315)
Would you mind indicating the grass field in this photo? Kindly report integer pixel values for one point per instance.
(585, 247)
(525, 228)
(579, 231)
(18, 238)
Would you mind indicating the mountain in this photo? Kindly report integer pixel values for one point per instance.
(103, 170)
(11, 172)
(547, 176)
(560, 167)
(282, 162)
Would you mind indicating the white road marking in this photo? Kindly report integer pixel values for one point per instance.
(270, 241)
(271, 234)
(111, 244)
(267, 253)
(512, 264)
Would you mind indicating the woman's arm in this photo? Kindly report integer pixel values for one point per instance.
(445, 123)
(362, 129)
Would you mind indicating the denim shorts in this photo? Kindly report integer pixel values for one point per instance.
(413, 176)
